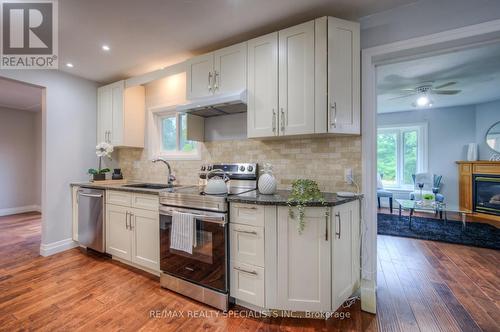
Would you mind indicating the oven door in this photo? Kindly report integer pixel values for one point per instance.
(207, 265)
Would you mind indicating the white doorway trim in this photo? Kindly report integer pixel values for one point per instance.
(371, 58)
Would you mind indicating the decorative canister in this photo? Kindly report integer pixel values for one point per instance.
(267, 182)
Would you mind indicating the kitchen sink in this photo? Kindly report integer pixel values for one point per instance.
(155, 186)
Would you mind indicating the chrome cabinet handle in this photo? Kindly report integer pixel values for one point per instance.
(106, 136)
(246, 232)
(282, 120)
(326, 228)
(216, 85)
(337, 215)
(126, 220)
(109, 136)
(246, 271)
(130, 214)
(247, 207)
(334, 108)
(210, 81)
(274, 121)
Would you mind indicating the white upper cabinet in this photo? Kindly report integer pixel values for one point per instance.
(230, 69)
(199, 76)
(222, 71)
(296, 79)
(343, 77)
(304, 261)
(318, 89)
(262, 86)
(121, 115)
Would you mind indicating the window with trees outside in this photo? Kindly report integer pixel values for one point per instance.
(401, 152)
(173, 137)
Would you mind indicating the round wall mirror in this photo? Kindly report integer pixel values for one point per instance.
(493, 137)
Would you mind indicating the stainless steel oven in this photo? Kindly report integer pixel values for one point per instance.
(206, 266)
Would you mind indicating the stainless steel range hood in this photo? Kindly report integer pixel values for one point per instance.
(222, 104)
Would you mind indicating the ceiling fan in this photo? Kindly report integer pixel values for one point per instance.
(424, 90)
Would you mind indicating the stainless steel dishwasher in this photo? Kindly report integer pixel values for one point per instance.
(91, 218)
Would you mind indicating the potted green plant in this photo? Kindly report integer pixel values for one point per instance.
(102, 149)
(304, 191)
(428, 198)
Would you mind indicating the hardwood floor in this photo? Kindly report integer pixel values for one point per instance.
(422, 286)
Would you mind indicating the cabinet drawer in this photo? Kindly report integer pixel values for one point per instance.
(247, 214)
(247, 244)
(119, 198)
(145, 201)
(247, 283)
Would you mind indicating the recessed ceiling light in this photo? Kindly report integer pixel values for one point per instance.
(105, 48)
(69, 64)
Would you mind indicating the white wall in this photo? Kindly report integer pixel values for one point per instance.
(450, 130)
(425, 17)
(20, 175)
(486, 115)
(69, 134)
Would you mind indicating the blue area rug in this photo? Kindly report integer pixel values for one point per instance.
(475, 234)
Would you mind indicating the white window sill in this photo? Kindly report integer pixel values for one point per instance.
(399, 189)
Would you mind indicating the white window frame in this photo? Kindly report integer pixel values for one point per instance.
(422, 150)
(154, 136)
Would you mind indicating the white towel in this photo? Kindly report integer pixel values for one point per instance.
(183, 235)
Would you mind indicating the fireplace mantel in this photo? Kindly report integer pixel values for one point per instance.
(466, 172)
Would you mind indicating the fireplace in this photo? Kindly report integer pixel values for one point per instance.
(486, 194)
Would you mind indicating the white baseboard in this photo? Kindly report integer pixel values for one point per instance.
(368, 296)
(20, 209)
(47, 249)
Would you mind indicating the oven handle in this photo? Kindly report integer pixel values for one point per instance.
(215, 218)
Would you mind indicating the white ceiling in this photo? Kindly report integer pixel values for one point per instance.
(150, 34)
(20, 96)
(476, 71)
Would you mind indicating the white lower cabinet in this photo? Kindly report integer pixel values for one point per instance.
(304, 262)
(146, 238)
(118, 236)
(132, 233)
(345, 252)
(247, 283)
(274, 266)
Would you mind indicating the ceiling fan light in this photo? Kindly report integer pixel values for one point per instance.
(423, 101)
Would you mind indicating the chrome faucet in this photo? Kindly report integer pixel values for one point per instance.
(170, 177)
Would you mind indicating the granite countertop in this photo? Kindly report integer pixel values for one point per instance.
(118, 186)
(281, 197)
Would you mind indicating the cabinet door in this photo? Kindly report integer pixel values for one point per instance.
(344, 252)
(146, 239)
(117, 91)
(104, 113)
(262, 115)
(296, 79)
(118, 235)
(230, 69)
(199, 76)
(304, 261)
(343, 77)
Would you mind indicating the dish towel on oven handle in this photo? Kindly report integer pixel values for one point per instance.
(183, 235)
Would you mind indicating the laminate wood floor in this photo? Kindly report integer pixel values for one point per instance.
(422, 286)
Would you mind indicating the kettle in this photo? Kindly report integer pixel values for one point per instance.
(217, 184)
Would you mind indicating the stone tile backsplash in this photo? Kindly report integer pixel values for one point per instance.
(322, 159)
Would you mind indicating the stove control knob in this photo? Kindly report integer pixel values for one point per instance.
(203, 168)
(242, 168)
(209, 168)
(250, 168)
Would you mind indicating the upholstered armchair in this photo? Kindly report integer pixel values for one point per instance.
(381, 192)
(432, 183)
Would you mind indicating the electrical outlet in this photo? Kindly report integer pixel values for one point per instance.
(348, 175)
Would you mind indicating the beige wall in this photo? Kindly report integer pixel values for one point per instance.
(20, 150)
(319, 158)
